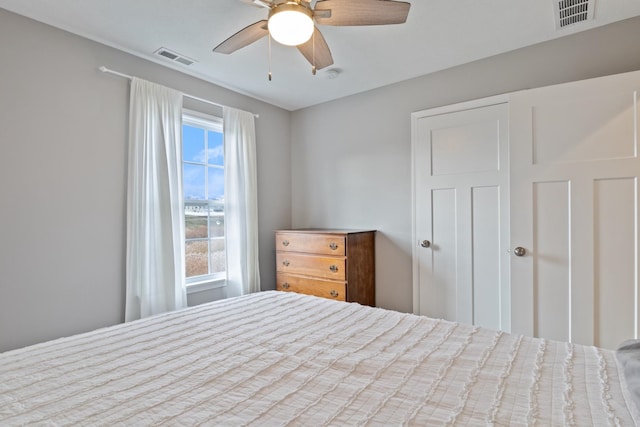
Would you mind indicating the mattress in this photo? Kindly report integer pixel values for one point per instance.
(272, 359)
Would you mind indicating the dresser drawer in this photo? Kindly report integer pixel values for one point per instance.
(322, 244)
(323, 267)
(319, 288)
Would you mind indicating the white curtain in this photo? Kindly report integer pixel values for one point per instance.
(155, 216)
(241, 202)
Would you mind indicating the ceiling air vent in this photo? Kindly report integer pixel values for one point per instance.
(174, 56)
(570, 12)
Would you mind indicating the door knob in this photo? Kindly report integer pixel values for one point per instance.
(425, 243)
(519, 251)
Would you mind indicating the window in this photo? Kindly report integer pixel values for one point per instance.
(203, 175)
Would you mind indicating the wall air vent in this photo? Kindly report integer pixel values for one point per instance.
(570, 12)
(174, 56)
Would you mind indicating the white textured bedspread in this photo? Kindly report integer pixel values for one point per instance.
(273, 358)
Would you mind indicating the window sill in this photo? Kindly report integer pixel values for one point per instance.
(205, 285)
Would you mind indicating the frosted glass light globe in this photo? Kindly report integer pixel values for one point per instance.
(291, 24)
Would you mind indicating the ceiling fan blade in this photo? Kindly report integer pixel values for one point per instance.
(259, 3)
(244, 37)
(361, 12)
(322, 56)
(263, 3)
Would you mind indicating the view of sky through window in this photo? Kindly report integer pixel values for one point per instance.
(202, 179)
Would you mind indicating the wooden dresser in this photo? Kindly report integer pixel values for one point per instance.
(335, 264)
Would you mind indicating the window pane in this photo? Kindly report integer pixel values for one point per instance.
(215, 156)
(218, 260)
(196, 255)
(192, 144)
(216, 184)
(194, 182)
(195, 221)
(216, 224)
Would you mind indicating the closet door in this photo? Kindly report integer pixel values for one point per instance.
(574, 210)
(461, 213)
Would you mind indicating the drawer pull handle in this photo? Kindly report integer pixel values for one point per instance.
(285, 285)
(333, 293)
(285, 243)
(333, 246)
(285, 263)
(334, 268)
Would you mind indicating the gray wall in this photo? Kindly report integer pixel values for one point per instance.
(354, 170)
(63, 144)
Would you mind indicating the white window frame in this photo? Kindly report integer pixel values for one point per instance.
(214, 280)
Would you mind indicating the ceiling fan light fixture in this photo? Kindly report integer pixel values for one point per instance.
(291, 23)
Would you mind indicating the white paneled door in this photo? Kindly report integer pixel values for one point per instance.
(461, 214)
(574, 210)
(531, 226)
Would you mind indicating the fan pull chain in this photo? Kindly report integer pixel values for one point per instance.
(313, 49)
(269, 57)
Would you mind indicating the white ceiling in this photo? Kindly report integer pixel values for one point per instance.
(438, 34)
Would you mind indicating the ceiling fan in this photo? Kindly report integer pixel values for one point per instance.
(293, 23)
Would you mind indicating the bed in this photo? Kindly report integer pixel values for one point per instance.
(275, 358)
